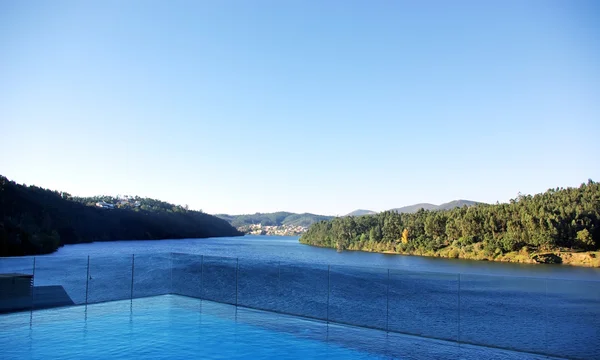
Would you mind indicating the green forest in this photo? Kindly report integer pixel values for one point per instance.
(527, 229)
(34, 220)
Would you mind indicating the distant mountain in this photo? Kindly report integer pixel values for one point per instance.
(457, 203)
(446, 206)
(282, 218)
(414, 208)
(361, 212)
(274, 219)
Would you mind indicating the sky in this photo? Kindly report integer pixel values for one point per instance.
(304, 106)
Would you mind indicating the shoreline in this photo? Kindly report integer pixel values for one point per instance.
(567, 258)
(590, 259)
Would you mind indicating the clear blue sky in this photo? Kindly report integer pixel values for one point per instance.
(316, 106)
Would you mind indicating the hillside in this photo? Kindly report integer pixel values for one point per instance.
(34, 220)
(410, 209)
(361, 212)
(446, 206)
(547, 227)
(289, 219)
(457, 203)
(281, 218)
(414, 208)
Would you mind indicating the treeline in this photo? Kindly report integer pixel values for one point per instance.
(274, 219)
(135, 203)
(34, 220)
(558, 218)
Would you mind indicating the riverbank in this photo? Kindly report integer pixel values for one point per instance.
(527, 255)
(563, 257)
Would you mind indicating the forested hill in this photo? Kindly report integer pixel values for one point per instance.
(34, 220)
(274, 219)
(416, 207)
(446, 206)
(557, 219)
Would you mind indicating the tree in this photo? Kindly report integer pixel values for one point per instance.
(405, 236)
(391, 228)
(375, 234)
(585, 239)
(453, 230)
(435, 226)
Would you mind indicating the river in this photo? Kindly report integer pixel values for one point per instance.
(545, 309)
(288, 249)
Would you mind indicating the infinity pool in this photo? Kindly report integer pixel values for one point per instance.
(176, 327)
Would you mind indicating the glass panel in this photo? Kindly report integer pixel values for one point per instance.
(16, 283)
(300, 328)
(217, 310)
(506, 312)
(119, 311)
(22, 265)
(219, 281)
(424, 304)
(258, 284)
(184, 302)
(402, 346)
(186, 275)
(475, 352)
(358, 296)
(11, 338)
(573, 313)
(110, 278)
(379, 343)
(60, 281)
(73, 315)
(304, 290)
(151, 275)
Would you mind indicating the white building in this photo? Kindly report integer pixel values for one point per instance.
(104, 205)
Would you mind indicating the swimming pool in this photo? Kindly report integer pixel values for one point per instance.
(179, 327)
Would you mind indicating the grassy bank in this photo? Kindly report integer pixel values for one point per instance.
(524, 256)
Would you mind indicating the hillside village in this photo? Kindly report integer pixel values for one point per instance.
(120, 202)
(282, 230)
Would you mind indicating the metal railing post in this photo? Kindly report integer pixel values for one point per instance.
(459, 317)
(546, 317)
(328, 289)
(171, 255)
(202, 277)
(237, 267)
(132, 272)
(87, 280)
(387, 295)
(32, 285)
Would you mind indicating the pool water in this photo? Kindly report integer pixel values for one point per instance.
(165, 327)
(176, 327)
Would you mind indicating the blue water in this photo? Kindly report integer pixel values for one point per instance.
(535, 308)
(174, 327)
(155, 329)
(288, 249)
